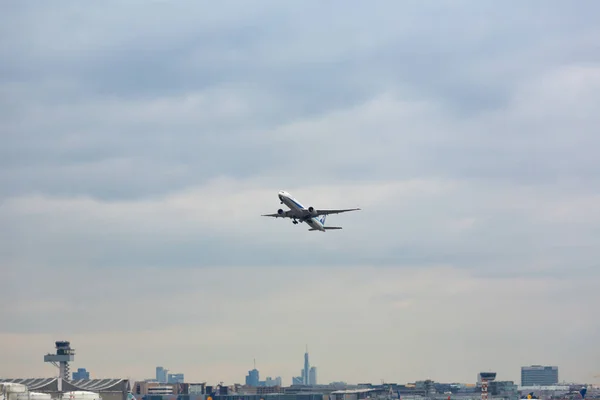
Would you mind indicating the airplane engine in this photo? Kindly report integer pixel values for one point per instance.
(311, 210)
(280, 211)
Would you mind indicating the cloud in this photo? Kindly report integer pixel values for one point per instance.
(139, 148)
(142, 141)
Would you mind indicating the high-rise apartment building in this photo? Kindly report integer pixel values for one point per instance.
(539, 375)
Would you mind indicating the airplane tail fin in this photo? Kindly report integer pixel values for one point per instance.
(323, 218)
(582, 392)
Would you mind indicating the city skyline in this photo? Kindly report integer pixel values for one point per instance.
(308, 374)
(163, 375)
(141, 142)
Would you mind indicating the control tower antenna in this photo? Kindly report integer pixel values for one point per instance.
(64, 354)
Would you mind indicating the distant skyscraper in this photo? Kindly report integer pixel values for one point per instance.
(313, 376)
(161, 374)
(270, 382)
(175, 378)
(308, 375)
(81, 374)
(252, 378)
(305, 371)
(539, 375)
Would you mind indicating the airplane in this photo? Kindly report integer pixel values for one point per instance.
(298, 213)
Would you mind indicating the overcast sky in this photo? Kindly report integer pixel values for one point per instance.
(141, 141)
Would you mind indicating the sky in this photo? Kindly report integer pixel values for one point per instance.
(142, 140)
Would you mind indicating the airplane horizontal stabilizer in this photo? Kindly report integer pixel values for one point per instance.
(332, 227)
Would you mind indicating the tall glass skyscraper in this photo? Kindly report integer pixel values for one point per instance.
(306, 370)
(308, 375)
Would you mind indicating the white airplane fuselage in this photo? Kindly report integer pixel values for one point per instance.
(295, 205)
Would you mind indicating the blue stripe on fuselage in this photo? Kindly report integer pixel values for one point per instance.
(294, 202)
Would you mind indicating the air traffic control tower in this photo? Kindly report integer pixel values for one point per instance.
(64, 354)
(485, 378)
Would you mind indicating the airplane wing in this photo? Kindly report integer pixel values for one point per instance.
(306, 214)
(285, 214)
(327, 212)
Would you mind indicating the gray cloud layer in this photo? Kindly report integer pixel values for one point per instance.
(141, 142)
